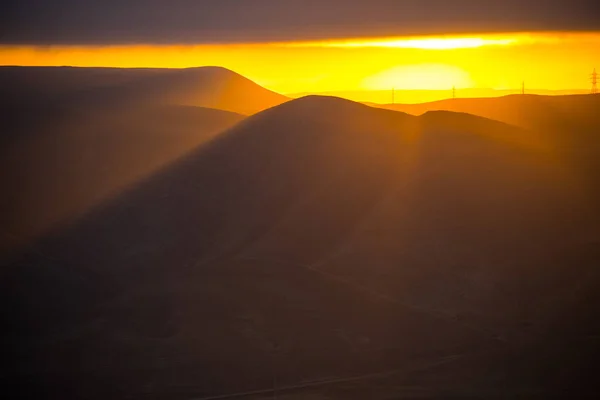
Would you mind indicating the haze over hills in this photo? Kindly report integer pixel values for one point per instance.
(58, 162)
(527, 111)
(74, 136)
(417, 96)
(320, 238)
(212, 87)
(173, 230)
(571, 122)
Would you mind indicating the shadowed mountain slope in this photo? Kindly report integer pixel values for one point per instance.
(212, 87)
(319, 239)
(570, 122)
(58, 162)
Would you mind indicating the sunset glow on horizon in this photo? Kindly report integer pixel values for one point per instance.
(549, 60)
(425, 43)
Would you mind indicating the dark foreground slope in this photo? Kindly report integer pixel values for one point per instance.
(212, 87)
(58, 162)
(315, 242)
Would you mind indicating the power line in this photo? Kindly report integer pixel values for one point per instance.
(594, 79)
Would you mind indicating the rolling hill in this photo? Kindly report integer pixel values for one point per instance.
(570, 122)
(407, 97)
(58, 162)
(318, 241)
(212, 87)
(72, 137)
(546, 113)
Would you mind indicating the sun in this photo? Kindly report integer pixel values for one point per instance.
(419, 77)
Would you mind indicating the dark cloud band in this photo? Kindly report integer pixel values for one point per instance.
(40, 22)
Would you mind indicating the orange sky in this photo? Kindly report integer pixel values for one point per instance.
(549, 60)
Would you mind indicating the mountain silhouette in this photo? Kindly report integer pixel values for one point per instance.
(58, 162)
(212, 87)
(319, 238)
(527, 111)
(569, 123)
(412, 96)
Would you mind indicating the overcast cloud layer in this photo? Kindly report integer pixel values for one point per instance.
(43, 22)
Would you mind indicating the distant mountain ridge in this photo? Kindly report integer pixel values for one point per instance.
(212, 87)
(570, 122)
(527, 111)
